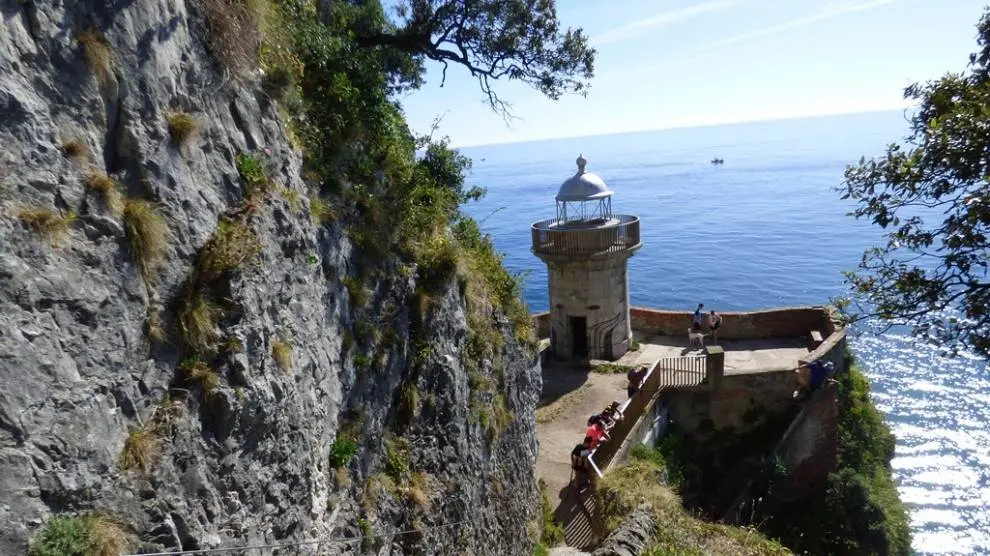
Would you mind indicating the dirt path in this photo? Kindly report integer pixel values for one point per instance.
(570, 396)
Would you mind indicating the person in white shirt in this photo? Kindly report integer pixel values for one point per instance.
(714, 322)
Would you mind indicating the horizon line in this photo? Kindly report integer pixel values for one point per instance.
(687, 126)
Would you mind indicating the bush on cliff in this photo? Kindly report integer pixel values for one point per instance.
(642, 482)
(85, 535)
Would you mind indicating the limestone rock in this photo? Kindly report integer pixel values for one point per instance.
(630, 538)
(250, 462)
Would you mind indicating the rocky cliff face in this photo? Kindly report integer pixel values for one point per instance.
(250, 445)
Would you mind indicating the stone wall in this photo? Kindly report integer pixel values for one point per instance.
(743, 401)
(809, 448)
(808, 451)
(751, 325)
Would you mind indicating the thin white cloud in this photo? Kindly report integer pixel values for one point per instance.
(834, 10)
(644, 26)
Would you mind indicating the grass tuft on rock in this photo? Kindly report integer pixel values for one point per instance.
(418, 491)
(153, 324)
(140, 450)
(291, 197)
(74, 148)
(50, 226)
(82, 535)
(97, 53)
(252, 171)
(148, 236)
(104, 186)
(198, 317)
(198, 372)
(282, 354)
(232, 245)
(182, 127)
(233, 32)
(320, 211)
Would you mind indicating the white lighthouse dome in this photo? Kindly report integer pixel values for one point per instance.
(583, 186)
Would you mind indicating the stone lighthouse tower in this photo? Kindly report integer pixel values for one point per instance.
(586, 248)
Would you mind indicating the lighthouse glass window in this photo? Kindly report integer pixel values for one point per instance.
(598, 211)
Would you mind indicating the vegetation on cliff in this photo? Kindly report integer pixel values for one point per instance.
(643, 481)
(858, 511)
(930, 197)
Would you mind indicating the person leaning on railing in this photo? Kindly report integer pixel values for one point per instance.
(597, 433)
(635, 378)
(810, 375)
(612, 415)
(580, 472)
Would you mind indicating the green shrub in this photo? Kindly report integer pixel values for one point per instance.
(408, 407)
(362, 362)
(342, 450)
(63, 536)
(84, 535)
(252, 171)
(396, 457)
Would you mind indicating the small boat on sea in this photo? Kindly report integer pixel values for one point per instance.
(718, 161)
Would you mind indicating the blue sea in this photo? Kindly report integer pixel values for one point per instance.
(767, 229)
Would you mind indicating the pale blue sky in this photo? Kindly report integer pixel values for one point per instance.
(677, 63)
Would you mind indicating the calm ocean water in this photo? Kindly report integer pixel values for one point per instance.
(767, 229)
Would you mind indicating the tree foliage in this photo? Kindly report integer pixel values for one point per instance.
(517, 40)
(932, 198)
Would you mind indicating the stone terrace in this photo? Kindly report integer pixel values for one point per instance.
(754, 343)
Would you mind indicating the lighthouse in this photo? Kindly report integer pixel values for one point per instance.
(586, 248)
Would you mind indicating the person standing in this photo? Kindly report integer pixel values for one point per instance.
(714, 323)
(699, 316)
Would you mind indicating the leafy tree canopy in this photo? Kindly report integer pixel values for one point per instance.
(494, 39)
(932, 198)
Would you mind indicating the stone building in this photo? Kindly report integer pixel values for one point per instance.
(586, 248)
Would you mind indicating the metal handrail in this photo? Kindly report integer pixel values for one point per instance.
(554, 237)
(665, 374)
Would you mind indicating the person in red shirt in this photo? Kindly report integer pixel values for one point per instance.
(597, 433)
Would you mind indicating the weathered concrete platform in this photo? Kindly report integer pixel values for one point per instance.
(741, 356)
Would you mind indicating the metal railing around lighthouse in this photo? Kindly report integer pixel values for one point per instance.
(550, 237)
